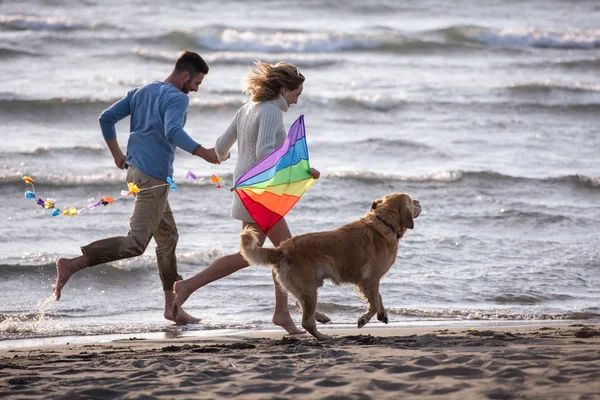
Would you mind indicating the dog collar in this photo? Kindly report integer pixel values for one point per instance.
(389, 226)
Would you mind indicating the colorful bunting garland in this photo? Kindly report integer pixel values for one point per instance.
(50, 204)
(214, 179)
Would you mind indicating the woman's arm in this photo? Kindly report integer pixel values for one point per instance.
(226, 140)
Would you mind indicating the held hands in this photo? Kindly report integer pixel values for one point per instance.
(314, 173)
(210, 155)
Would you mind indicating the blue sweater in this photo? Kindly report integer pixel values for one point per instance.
(158, 113)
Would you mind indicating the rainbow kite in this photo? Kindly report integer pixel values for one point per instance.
(272, 187)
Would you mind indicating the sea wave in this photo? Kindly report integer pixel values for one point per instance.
(548, 86)
(525, 218)
(389, 143)
(524, 37)
(567, 63)
(524, 299)
(244, 57)
(374, 102)
(375, 177)
(490, 314)
(57, 107)
(41, 263)
(30, 326)
(10, 52)
(47, 23)
(229, 100)
(50, 150)
(450, 176)
(260, 40)
(10, 104)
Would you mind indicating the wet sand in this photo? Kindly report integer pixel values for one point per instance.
(533, 362)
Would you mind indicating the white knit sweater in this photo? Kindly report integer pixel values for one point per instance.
(258, 129)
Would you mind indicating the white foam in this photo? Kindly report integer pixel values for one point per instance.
(244, 57)
(278, 42)
(149, 261)
(433, 176)
(374, 102)
(35, 23)
(537, 37)
(32, 324)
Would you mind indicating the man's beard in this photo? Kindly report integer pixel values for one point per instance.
(187, 85)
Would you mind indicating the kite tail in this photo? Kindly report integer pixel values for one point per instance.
(255, 254)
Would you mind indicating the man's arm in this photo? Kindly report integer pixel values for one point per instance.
(117, 154)
(174, 117)
(108, 119)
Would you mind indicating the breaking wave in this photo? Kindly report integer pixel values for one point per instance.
(458, 175)
(48, 23)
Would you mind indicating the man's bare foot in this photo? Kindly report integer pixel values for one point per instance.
(65, 267)
(285, 321)
(173, 311)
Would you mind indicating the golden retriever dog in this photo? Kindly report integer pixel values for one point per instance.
(360, 252)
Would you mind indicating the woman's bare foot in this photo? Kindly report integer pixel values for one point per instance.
(65, 267)
(285, 321)
(182, 292)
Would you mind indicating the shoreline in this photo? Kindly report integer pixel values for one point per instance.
(175, 332)
(536, 361)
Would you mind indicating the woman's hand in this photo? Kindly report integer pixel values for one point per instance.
(314, 173)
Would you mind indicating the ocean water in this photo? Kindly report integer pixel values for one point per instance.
(488, 114)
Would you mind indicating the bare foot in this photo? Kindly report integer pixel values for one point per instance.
(182, 292)
(180, 317)
(65, 267)
(173, 300)
(285, 321)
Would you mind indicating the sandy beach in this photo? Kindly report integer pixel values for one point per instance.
(533, 362)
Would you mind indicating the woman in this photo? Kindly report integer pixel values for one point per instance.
(258, 129)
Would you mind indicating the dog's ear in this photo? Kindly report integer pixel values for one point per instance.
(406, 218)
(376, 203)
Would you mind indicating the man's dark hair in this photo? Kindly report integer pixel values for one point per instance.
(192, 63)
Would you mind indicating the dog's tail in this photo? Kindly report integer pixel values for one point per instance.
(255, 254)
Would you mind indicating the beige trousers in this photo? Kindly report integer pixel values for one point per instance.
(152, 217)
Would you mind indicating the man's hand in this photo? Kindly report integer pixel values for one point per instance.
(120, 160)
(116, 152)
(209, 155)
(314, 173)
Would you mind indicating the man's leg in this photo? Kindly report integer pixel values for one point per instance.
(148, 209)
(166, 238)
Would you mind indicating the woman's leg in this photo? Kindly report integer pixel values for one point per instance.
(229, 264)
(218, 269)
(281, 315)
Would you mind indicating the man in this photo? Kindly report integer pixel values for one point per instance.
(158, 113)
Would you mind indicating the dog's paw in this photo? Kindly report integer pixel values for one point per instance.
(322, 318)
(362, 321)
(382, 317)
(322, 338)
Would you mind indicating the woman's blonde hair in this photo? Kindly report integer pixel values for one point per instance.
(265, 82)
